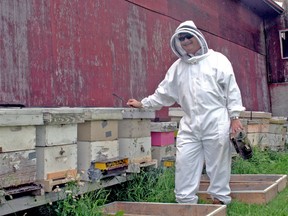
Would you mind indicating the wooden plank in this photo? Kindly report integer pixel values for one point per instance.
(163, 126)
(51, 185)
(255, 114)
(281, 180)
(167, 209)
(102, 113)
(17, 168)
(278, 120)
(62, 174)
(133, 113)
(178, 112)
(63, 118)
(20, 119)
(247, 192)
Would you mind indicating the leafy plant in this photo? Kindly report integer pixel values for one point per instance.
(88, 204)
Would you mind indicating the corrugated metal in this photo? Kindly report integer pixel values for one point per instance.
(78, 53)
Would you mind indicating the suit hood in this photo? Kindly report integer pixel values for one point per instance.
(189, 27)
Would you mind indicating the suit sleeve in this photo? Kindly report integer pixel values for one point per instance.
(166, 92)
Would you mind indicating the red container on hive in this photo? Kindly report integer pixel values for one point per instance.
(162, 138)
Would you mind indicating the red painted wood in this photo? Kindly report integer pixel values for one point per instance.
(78, 53)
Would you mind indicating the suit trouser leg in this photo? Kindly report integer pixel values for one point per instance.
(189, 166)
(217, 156)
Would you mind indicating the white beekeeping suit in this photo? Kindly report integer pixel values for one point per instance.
(204, 86)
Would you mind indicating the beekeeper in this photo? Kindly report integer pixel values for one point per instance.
(202, 82)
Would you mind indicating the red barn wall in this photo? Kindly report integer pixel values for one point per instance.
(276, 66)
(78, 53)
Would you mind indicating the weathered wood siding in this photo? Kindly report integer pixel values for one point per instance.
(78, 53)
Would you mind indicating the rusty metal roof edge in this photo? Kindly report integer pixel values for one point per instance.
(277, 8)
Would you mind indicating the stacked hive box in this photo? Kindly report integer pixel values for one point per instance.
(134, 137)
(97, 139)
(265, 131)
(56, 146)
(163, 142)
(17, 146)
(286, 136)
(262, 129)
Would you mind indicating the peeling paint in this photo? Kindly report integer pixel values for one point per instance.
(77, 53)
(137, 47)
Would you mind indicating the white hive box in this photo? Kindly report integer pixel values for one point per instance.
(56, 159)
(18, 129)
(17, 138)
(138, 150)
(98, 150)
(134, 128)
(163, 152)
(17, 146)
(50, 135)
(56, 147)
(175, 113)
(136, 145)
(265, 140)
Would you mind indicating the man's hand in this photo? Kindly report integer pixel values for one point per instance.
(236, 126)
(134, 103)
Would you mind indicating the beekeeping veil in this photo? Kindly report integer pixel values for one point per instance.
(189, 27)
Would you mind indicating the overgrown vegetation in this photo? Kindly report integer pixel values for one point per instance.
(157, 185)
(88, 204)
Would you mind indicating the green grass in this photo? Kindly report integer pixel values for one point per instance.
(157, 185)
(88, 204)
(262, 162)
(276, 207)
